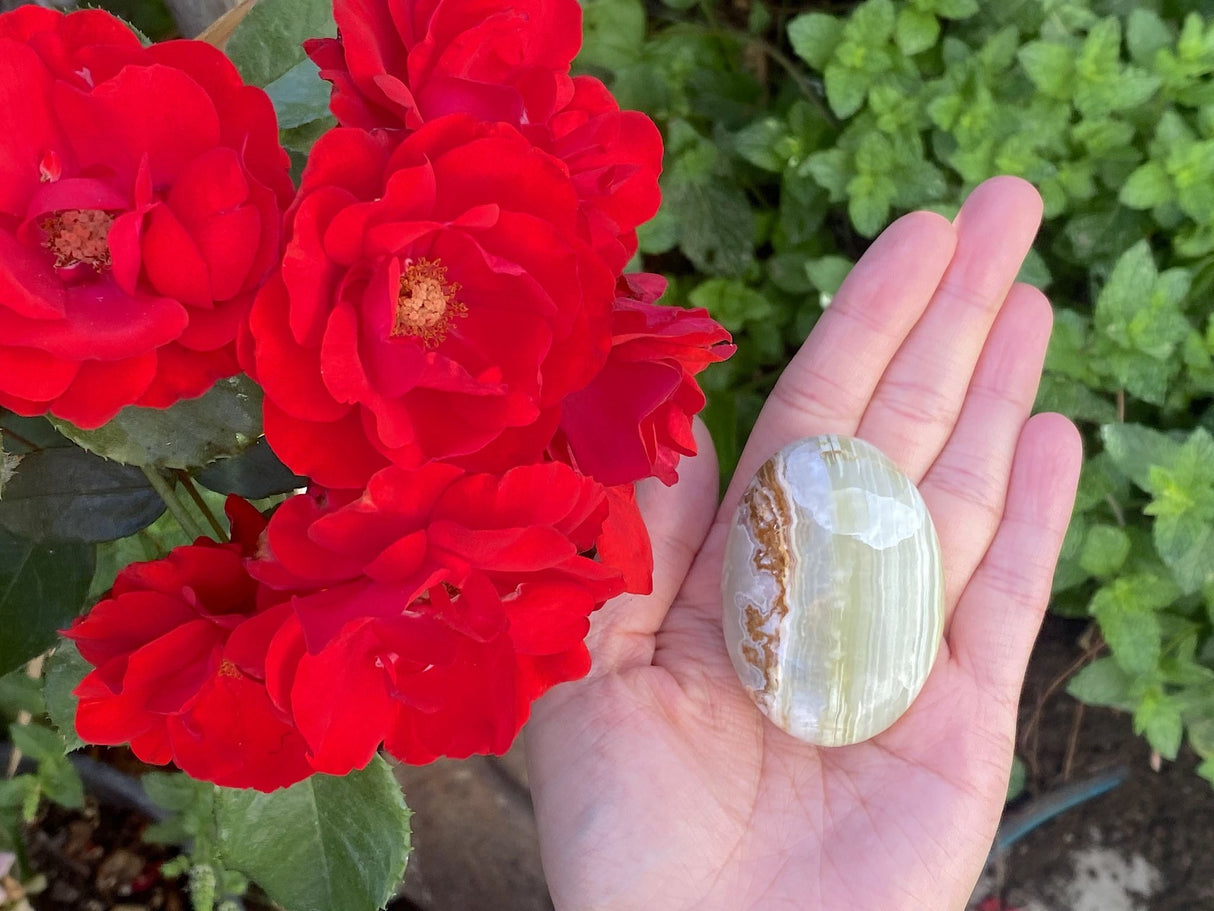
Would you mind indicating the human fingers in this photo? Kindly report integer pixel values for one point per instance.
(828, 384)
(966, 486)
(996, 621)
(915, 406)
(677, 519)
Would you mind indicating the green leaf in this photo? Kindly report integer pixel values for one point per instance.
(61, 783)
(1105, 548)
(915, 31)
(42, 588)
(1135, 448)
(73, 494)
(1050, 66)
(1146, 34)
(1016, 779)
(8, 465)
(759, 143)
(267, 43)
(660, 234)
(300, 96)
(1125, 609)
(36, 742)
(872, 22)
(716, 225)
(324, 844)
(1102, 682)
(814, 37)
(1035, 271)
(19, 692)
(1183, 506)
(189, 806)
(1079, 403)
(871, 198)
(614, 31)
(56, 776)
(827, 273)
(1206, 770)
(846, 88)
(1147, 187)
(831, 169)
(1128, 288)
(1158, 717)
(254, 474)
(787, 272)
(190, 434)
(730, 302)
(64, 671)
(29, 434)
(955, 9)
(720, 415)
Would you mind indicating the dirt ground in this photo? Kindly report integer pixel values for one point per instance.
(1144, 846)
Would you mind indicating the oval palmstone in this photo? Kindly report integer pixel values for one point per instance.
(833, 590)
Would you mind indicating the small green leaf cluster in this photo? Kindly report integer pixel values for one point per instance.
(795, 135)
(33, 765)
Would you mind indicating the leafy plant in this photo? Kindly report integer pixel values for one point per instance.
(794, 136)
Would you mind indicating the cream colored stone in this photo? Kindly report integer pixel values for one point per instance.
(833, 591)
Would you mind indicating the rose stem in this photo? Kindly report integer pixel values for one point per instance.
(187, 523)
(188, 483)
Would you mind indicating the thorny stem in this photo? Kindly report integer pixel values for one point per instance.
(180, 513)
(188, 483)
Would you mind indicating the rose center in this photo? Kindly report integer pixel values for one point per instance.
(425, 303)
(78, 236)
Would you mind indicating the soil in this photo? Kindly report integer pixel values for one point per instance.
(1145, 846)
(94, 859)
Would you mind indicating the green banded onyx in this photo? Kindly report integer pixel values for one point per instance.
(833, 590)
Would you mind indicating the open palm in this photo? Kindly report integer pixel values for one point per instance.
(658, 784)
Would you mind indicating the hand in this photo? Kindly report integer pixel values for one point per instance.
(659, 785)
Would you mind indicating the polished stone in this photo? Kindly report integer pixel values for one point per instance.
(833, 590)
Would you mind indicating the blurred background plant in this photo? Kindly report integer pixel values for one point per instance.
(795, 132)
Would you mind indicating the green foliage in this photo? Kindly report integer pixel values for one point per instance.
(224, 421)
(267, 43)
(348, 839)
(42, 588)
(55, 778)
(795, 135)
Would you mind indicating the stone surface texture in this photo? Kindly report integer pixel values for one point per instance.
(833, 590)
(474, 840)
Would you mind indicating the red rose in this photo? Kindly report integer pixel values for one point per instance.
(634, 419)
(401, 63)
(436, 302)
(179, 648)
(614, 158)
(141, 192)
(442, 604)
